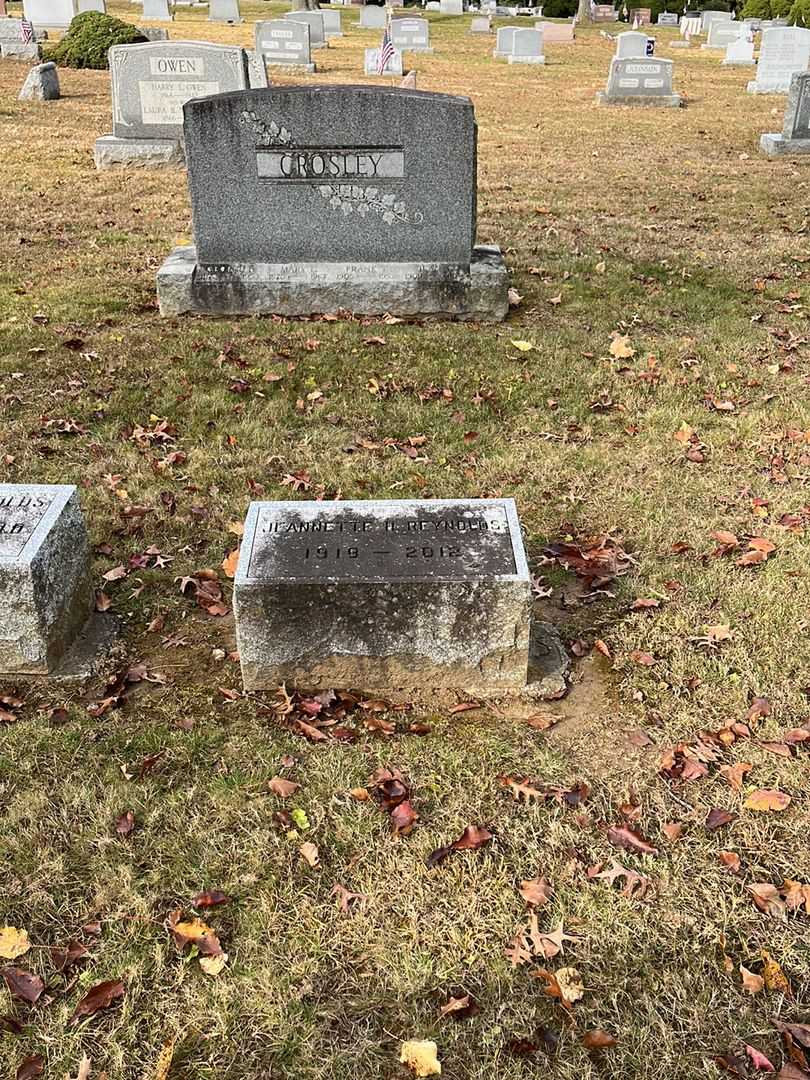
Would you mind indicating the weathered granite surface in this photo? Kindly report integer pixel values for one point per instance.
(411, 35)
(284, 43)
(314, 20)
(110, 152)
(46, 591)
(372, 17)
(418, 593)
(640, 81)
(226, 11)
(794, 139)
(41, 84)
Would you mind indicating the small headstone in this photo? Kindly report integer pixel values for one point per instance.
(314, 20)
(92, 5)
(481, 24)
(411, 35)
(421, 594)
(12, 44)
(784, 51)
(604, 13)
(668, 18)
(226, 11)
(50, 13)
(41, 84)
(503, 41)
(284, 43)
(392, 67)
(740, 53)
(709, 17)
(555, 33)
(690, 26)
(154, 33)
(641, 16)
(157, 10)
(631, 43)
(331, 23)
(311, 200)
(639, 81)
(150, 84)
(46, 592)
(451, 7)
(372, 17)
(527, 47)
(794, 140)
(721, 34)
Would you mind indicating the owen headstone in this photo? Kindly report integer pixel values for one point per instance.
(411, 35)
(41, 84)
(46, 590)
(150, 84)
(226, 11)
(331, 23)
(784, 51)
(631, 43)
(451, 7)
(309, 200)
(740, 52)
(794, 139)
(393, 65)
(314, 20)
(284, 43)
(372, 17)
(643, 81)
(417, 594)
(57, 14)
(157, 10)
(555, 33)
(721, 34)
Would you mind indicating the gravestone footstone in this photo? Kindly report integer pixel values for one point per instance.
(384, 595)
(41, 84)
(794, 139)
(314, 200)
(46, 590)
(150, 83)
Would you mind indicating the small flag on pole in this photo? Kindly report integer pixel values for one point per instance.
(386, 51)
(26, 31)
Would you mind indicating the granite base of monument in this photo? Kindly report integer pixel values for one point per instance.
(110, 152)
(671, 101)
(384, 595)
(776, 145)
(426, 290)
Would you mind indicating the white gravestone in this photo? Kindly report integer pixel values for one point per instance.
(451, 7)
(631, 44)
(50, 13)
(503, 41)
(740, 53)
(668, 18)
(314, 20)
(411, 35)
(331, 23)
(784, 52)
(709, 17)
(226, 11)
(372, 17)
(481, 24)
(284, 43)
(150, 85)
(46, 593)
(643, 81)
(721, 34)
(555, 33)
(393, 67)
(157, 10)
(92, 5)
(527, 47)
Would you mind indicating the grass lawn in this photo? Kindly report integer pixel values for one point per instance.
(665, 227)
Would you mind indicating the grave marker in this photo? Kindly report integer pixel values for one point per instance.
(46, 591)
(740, 53)
(631, 43)
(393, 65)
(668, 18)
(411, 35)
(226, 11)
(372, 17)
(150, 84)
(331, 23)
(481, 24)
(794, 139)
(57, 14)
(310, 200)
(451, 7)
(722, 34)
(383, 595)
(157, 10)
(555, 33)
(284, 43)
(784, 52)
(314, 20)
(643, 81)
(709, 17)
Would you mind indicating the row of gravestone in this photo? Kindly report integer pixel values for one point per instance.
(384, 595)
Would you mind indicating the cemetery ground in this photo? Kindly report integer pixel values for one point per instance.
(649, 388)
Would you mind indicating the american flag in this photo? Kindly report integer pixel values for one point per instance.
(386, 51)
(26, 30)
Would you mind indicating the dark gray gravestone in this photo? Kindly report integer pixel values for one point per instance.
(314, 20)
(382, 595)
(313, 199)
(150, 84)
(794, 139)
(639, 81)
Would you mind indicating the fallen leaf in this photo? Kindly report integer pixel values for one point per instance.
(13, 942)
(283, 788)
(767, 799)
(735, 774)
(31, 1066)
(210, 898)
(421, 1057)
(101, 996)
(194, 932)
(731, 860)
(347, 899)
(758, 1059)
(23, 984)
(565, 984)
(718, 818)
(620, 347)
(672, 830)
(751, 982)
(213, 965)
(229, 563)
(309, 852)
(535, 891)
(459, 1008)
(622, 836)
(597, 1040)
(772, 974)
(522, 346)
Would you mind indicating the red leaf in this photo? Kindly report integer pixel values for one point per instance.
(598, 1040)
(473, 837)
(758, 1060)
(621, 836)
(30, 1067)
(209, 899)
(717, 818)
(23, 985)
(101, 996)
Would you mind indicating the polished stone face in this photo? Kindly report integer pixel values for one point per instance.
(151, 82)
(46, 594)
(383, 594)
(332, 174)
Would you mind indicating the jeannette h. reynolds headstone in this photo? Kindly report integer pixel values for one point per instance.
(150, 84)
(46, 594)
(311, 200)
(383, 595)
